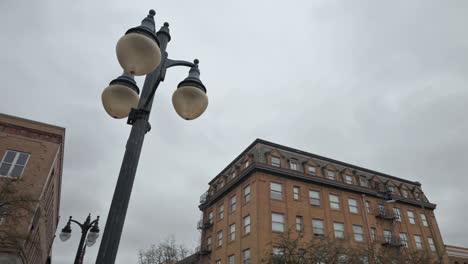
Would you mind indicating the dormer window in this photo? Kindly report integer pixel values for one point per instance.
(391, 189)
(364, 182)
(312, 170)
(221, 184)
(233, 175)
(331, 175)
(246, 164)
(293, 165)
(417, 195)
(349, 179)
(405, 193)
(275, 161)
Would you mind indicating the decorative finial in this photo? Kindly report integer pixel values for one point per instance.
(166, 24)
(196, 61)
(152, 12)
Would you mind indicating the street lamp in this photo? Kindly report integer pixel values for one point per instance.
(142, 51)
(88, 225)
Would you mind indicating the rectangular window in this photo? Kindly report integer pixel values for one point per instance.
(405, 193)
(277, 222)
(13, 163)
(373, 233)
(246, 256)
(296, 193)
(334, 202)
(314, 198)
(246, 164)
(364, 182)
(318, 227)
(220, 238)
(247, 194)
(218, 261)
(233, 203)
(417, 196)
(397, 214)
(221, 212)
(391, 189)
(208, 243)
(431, 243)
(387, 236)
(382, 210)
(276, 191)
(247, 224)
(411, 218)
(275, 161)
(339, 230)
(221, 184)
(233, 175)
(231, 259)
(232, 232)
(331, 175)
(424, 220)
(418, 240)
(368, 207)
(3, 212)
(404, 239)
(293, 165)
(358, 233)
(210, 217)
(349, 179)
(312, 170)
(299, 224)
(353, 206)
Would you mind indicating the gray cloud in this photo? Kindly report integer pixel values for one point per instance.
(378, 84)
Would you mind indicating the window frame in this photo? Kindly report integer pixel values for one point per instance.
(231, 259)
(312, 170)
(233, 203)
(315, 228)
(430, 242)
(368, 207)
(14, 163)
(282, 224)
(335, 231)
(412, 217)
(232, 232)
(300, 223)
(246, 227)
(315, 199)
(274, 158)
(247, 194)
(334, 202)
(219, 238)
(419, 244)
(356, 234)
(404, 239)
(356, 206)
(331, 175)
(424, 219)
(296, 193)
(349, 179)
(397, 214)
(246, 256)
(273, 192)
(388, 238)
(295, 164)
(221, 212)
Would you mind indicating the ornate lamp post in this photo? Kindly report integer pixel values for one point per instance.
(142, 51)
(88, 225)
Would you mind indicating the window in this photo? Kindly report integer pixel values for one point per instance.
(424, 220)
(246, 256)
(417, 196)
(210, 217)
(404, 239)
(318, 228)
(220, 238)
(208, 243)
(358, 233)
(431, 243)
(342, 259)
(247, 224)
(232, 232)
(218, 261)
(339, 230)
(334, 202)
(246, 164)
(314, 198)
(373, 233)
(417, 239)
(221, 184)
(296, 193)
(13, 163)
(276, 191)
(412, 220)
(278, 251)
(231, 259)
(382, 209)
(312, 170)
(331, 175)
(3, 212)
(387, 236)
(391, 189)
(293, 165)
(277, 222)
(405, 193)
(247, 194)
(275, 161)
(397, 214)
(299, 224)
(233, 203)
(364, 182)
(221, 212)
(368, 206)
(363, 260)
(353, 206)
(349, 179)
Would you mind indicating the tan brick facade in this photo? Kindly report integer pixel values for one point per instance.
(41, 180)
(255, 167)
(457, 255)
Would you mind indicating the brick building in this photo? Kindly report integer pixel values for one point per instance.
(31, 164)
(457, 255)
(270, 188)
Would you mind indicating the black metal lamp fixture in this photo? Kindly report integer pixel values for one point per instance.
(142, 51)
(93, 234)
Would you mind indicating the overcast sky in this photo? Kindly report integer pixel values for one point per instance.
(379, 84)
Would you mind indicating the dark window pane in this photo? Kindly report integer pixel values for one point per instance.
(23, 157)
(10, 156)
(17, 171)
(4, 169)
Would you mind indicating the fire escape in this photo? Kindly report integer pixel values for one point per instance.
(391, 237)
(204, 225)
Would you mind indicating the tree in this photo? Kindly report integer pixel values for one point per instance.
(166, 252)
(292, 248)
(15, 206)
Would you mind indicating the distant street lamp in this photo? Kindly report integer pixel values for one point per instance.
(142, 51)
(88, 225)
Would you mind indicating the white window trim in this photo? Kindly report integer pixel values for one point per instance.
(13, 163)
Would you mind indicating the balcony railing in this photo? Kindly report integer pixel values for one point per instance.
(203, 197)
(204, 225)
(203, 250)
(391, 242)
(385, 214)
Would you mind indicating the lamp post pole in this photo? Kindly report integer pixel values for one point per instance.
(85, 227)
(138, 119)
